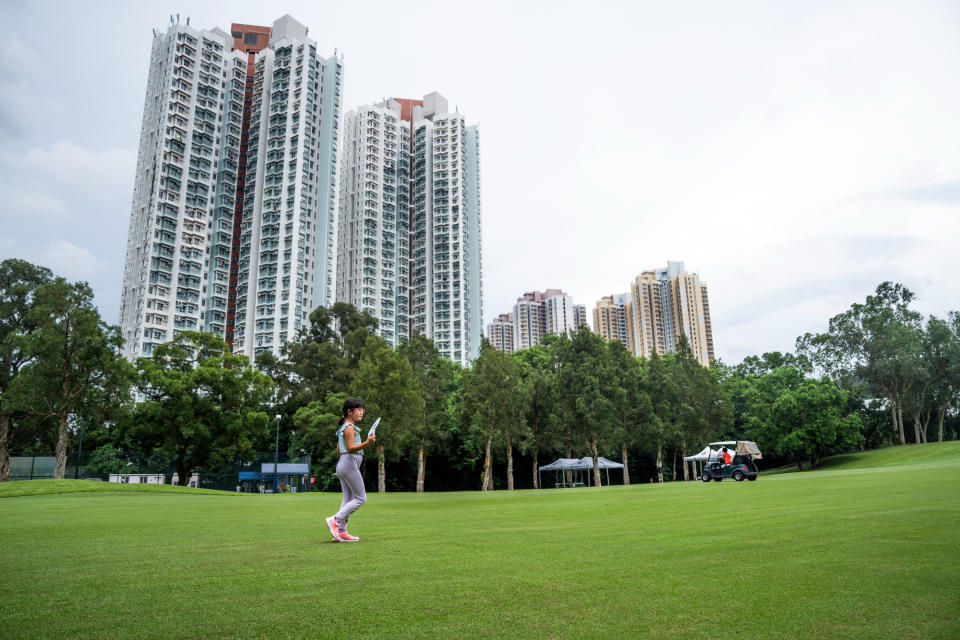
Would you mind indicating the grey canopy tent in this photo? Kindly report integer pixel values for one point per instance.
(560, 465)
(583, 464)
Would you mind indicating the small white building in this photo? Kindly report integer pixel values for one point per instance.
(137, 478)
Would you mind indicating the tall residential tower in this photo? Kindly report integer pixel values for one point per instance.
(662, 305)
(535, 314)
(286, 236)
(232, 216)
(409, 235)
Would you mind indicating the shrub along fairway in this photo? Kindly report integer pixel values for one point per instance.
(864, 549)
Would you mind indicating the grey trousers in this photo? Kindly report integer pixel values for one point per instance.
(354, 495)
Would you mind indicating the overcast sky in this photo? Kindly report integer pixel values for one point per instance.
(794, 154)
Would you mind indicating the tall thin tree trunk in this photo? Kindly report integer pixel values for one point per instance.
(674, 465)
(487, 464)
(683, 454)
(567, 474)
(509, 463)
(659, 462)
(940, 414)
(893, 415)
(421, 466)
(61, 469)
(623, 459)
(536, 468)
(903, 435)
(596, 462)
(381, 471)
(5, 446)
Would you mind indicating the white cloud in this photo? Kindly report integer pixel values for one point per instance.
(70, 261)
(63, 180)
(24, 106)
(67, 207)
(92, 173)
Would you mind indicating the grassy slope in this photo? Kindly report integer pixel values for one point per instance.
(866, 549)
(935, 453)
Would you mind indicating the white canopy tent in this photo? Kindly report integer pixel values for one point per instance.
(707, 455)
(704, 456)
(584, 464)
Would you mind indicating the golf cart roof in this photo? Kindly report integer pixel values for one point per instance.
(743, 447)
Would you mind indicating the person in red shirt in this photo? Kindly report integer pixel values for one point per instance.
(726, 456)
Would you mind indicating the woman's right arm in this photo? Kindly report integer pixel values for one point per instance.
(349, 435)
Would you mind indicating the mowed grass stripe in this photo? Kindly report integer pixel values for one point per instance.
(867, 551)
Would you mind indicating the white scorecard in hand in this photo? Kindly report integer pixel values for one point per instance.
(373, 428)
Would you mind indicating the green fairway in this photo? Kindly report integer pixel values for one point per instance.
(866, 548)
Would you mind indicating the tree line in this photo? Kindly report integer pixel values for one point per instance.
(194, 405)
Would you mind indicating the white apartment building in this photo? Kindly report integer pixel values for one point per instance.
(183, 265)
(286, 244)
(535, 314)
(500, 333)
(562, 315)
(412, 257)
(175, 272)
(529, 322)
(374, 224)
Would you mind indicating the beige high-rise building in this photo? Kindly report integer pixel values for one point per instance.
(649, 316)
(691, 314)
(662, 305)
(611, 319)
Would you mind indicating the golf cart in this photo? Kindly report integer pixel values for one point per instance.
(742, 466)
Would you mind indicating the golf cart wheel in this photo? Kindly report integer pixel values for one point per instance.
(705, 476)
(738, 476)
(751, 478)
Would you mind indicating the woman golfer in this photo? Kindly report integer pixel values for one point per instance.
(350, 448)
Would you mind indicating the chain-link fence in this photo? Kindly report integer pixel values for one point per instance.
(32, 467)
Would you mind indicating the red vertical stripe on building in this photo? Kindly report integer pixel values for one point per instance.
(241, 34)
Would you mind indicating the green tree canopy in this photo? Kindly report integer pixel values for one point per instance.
(323, 358)
(878, 341)
(316, 425)
(386, 384)
(585, 369)
(18, 287)
(798, 418)
(74, 360)
(436, 380)
(629, 394)
(492, 404)
(202, 403)
(540, 404)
